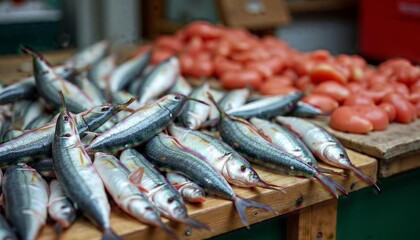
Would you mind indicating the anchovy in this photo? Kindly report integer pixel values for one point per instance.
(189, 190)
(140, 126)
(303, 109)
(244, 138)
(323, 145)
(77, 176)
(267, 107)
(60, 209)
(181, 86)
(128, 197)
(25, 197)
(38, 141)
(159, 80)
(44, 167)
(196, 113)
(6, 232)
(234, 99)
(101, 71)
(168, 154)
(227, 161)
(160, 192)
(90, 89)
(48, 83)
(89, 56)
(124, 74)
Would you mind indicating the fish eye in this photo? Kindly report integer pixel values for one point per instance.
(104, 109)
(341, 155)
(67, 135)
(170, 200)
(243, 168)
(177, 97)
(149, 208)
(66, 118)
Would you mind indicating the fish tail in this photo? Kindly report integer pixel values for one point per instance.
(110, 235)
(330, 171)
(195, 224)
(364, 177)
(330, 185)
(242, 204)
(266, 185)
(168, 230)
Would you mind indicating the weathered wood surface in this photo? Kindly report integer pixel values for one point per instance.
(220, 214)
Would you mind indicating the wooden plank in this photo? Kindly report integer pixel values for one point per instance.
(320, 5)
(220, 214)
(318, 221)
(392, 166)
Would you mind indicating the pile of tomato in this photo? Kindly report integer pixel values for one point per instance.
(360, 97)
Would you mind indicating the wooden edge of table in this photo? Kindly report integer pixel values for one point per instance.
(390, 167)
(220, 215)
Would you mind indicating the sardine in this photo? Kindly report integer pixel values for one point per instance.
(196, 113)
(303, 109)
(189, 190)
(159, 80)
(128, 197)
(25, 196)
(6, 232)
(38, 141)
(181, 86)
(60, 209)
(44, 167)
(234, 99)
(323, 145)
(160, 192)
(140, 126)
(77, 175)
(89, 56)
(101, 71)
(124, 74)
(48, 83)
(90, 89)
(168, 154)
(244, 138)
(227, 161)
(267, 107)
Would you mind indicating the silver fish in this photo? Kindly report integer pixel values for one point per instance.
(124, 74)
(101, 71)
(6, 232)
(88, 56)
(160, 192)
(196, 113)
(189, 190)
(44, 167)
(218, 96)
(267, 107)
(168, 154)
(234, 99)
(60, 209)
(323, 145)
(25, 112)
(128, 197)
(77, 176)
(25, 198)
(181, 86)
(12, 134)
(303, 109)
(90, 89)
(39, 121)
(159, 80)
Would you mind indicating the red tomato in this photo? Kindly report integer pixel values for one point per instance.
(223, 48)
(187, 64)
(354, 87)
(407, 75)
(271, 88)
(326, 72)
(389, 109)
(223, 65)
(358, 99)
(170, 42)
(346, 119)
(356, 74)
(204, 30)
(414, 98)
(202, 68)
(304, 83)
(241, 79)
(325, 103)
(403, 108)
(303, 67)
(160, 55)
(376, 79)
(332, 89)
(281, 80)
(290, 73)
(401, 89)
(320, 55)
(194, 45)
(376, 115)
(262, 68)
(415, 87)
(417, 106)
(378, 92)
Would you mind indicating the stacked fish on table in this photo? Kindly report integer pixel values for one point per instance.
(101, 127)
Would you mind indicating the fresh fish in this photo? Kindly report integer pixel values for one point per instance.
(77, 175)
(6, 125)
(39, 121)
(323, 145)
(60, 209)
(124, 74)
(101, 71)
(25, 112)
(122, 96)
(159, 80)
(234, 99)
(189, 190)
(48, 83)
(196, 113)
(140, 126)
(160, 192)
(218, 96)
(6, 232)
(25, 196)
(90, 89)
(267, 107)
(303, 109)
(89, 56)
(128, 197)
(168, 154)
(12, 134)
(244, 138)
(221, 156)
(44, 167)
(181, 86)
(38, 141)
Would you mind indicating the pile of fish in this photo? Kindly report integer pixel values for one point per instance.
(73, 133)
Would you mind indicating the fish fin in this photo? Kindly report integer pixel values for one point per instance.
(220, 109)
(135, 178)
(242, 204)
(58, 228)
(195, 224)
(168, 230)
(364, 177)
(265, 136)
(130, 110)
(263, 184)
(92, 133)
(126, 104)
(330, 185)
(330, 171)
(110, 235)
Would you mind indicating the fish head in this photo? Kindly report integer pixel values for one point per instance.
(144, 208)
(66, 128)
(241, 172)
(173, 102)
(336, 154)
(170, 203)
(63, 213)
(193, 194)
(98, 115)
